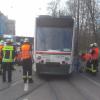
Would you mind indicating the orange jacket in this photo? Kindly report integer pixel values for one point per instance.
(1, 46)
(26, 51)
(87, 56)
(95, 53)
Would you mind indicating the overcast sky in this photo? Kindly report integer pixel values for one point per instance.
(24, 12)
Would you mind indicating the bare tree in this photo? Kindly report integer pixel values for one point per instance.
(87, 20)
(84, 12)
(53, 7)
(56, 8)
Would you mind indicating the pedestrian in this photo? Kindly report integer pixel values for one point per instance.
(8, 55)
(26, 58)
(77, 63)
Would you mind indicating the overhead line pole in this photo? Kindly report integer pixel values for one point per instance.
(77, 43)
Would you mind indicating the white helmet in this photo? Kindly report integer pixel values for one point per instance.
(95, 44)
(91, 45)
(1, 42)
(8, 41)
(26, 40)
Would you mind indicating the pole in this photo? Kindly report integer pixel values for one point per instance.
(77, 43)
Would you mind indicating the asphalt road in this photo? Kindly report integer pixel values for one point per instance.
(80, 86)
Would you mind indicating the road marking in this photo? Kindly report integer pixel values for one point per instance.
(26, 87)
(25, 99)
(34, 67)
(94, 82)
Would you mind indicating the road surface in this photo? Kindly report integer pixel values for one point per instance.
(80, 86)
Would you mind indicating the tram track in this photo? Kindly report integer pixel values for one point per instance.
(83, 91)
(35, 86)
(9, 85)
(53, 86)
(84, 95)
(53, 91)
(30, 91)
(50, 86)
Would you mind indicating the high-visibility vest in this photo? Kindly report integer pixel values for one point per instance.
(1, 46)
(26, 51)
(95, 55)
(7, 54)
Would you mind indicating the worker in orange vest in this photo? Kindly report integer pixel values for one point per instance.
(26, 58)
(1, 46)
(95, 56)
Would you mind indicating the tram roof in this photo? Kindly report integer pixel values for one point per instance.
(49, 21)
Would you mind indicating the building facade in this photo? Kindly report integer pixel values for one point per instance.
(11, 27)
(6, 26)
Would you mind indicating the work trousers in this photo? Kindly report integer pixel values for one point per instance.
(7, 71)
(95, 64)
(88, 64)
(27, 68)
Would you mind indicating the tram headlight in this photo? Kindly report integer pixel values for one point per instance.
(39, 57)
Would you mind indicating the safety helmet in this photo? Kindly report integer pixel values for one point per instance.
(95, 44)
(26, 40)
(1, 42)
(8, 41)
(91, 45)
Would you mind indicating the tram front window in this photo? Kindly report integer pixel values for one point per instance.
(54, 39)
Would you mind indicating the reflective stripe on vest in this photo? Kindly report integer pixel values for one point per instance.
(25, 51)
(7, 58)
